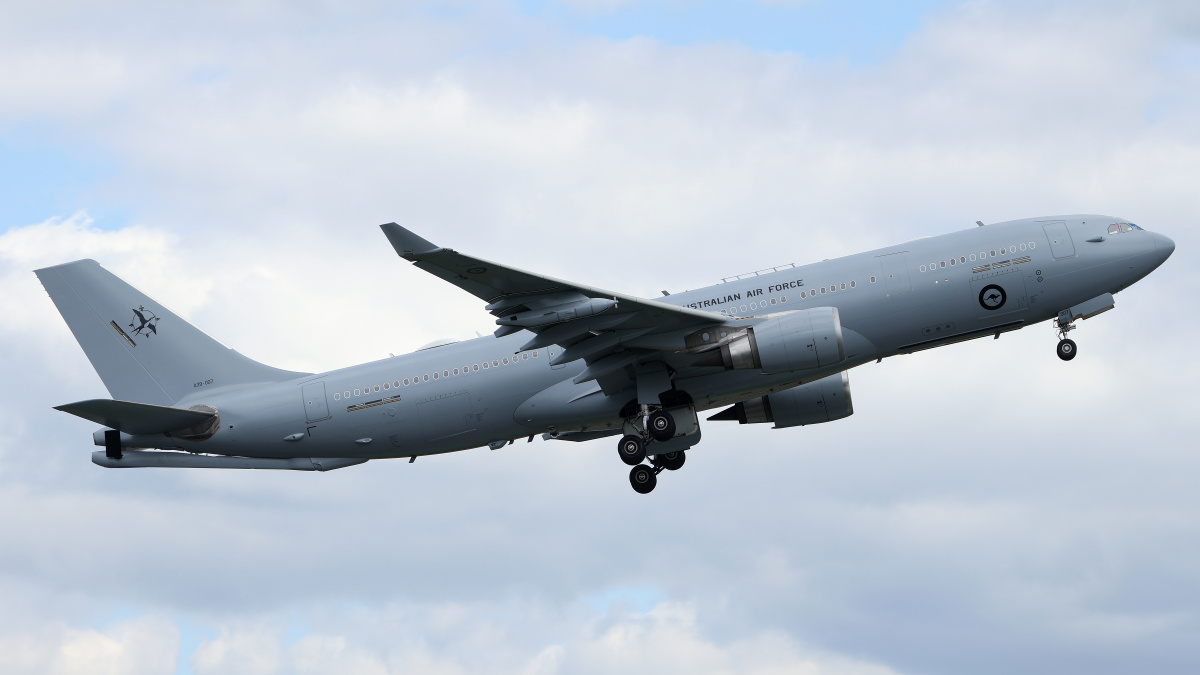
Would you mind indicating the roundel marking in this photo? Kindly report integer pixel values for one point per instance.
(477, 270)
(992, 297)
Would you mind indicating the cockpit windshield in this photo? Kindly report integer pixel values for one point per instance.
(1117, 228)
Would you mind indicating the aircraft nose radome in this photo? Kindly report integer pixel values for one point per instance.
(1163, 245)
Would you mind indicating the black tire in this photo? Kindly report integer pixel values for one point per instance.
(661, 425)
(1066, 349)
(632, 450)
(642, 478)
(671, 461)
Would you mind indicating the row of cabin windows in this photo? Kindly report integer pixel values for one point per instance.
(417, 379)
(983, 255)
(804, 295)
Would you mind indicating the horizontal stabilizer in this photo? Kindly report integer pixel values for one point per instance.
(137, 418)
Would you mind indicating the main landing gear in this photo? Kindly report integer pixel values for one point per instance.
(659, 426)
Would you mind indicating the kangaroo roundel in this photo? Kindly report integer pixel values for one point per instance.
(992, 297)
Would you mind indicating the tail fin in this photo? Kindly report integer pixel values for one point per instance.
(141, 350)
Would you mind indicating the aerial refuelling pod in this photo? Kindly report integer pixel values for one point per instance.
(800, 340)
(823, 400)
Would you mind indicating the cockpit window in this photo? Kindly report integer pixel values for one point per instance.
(1117, 228)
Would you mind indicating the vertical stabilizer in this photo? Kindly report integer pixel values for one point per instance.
(142, 351)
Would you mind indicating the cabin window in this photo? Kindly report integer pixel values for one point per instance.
(387, 385)
(376, 387)
(396, 384)
(822, 290)
(425, 378)
(922, 268)
(475, 367)
(963, 259)
(852, 284)
(485, 365)
(336, 396)
(495, 363)
(782, 298)
(773, 301)
(357, 392)
(993, 253)
(843, 286)
(525, 356)
(456, 371)
(406, 381)
(1032, 245)
(803, 295)
(346, 394)
(952, 262)
(504, 360)
(942, 264)
(872, 279)
(535, 354)
(435, 375)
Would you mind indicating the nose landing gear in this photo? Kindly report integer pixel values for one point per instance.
(1066, 346)
(1066, 349)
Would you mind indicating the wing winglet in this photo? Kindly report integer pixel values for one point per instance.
(408, 245)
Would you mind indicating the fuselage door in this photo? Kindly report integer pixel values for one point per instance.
(316, 407)
(894, 268)
(1061, 245)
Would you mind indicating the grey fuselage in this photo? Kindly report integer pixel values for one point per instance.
(921, 294)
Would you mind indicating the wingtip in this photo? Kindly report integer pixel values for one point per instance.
(407, 244)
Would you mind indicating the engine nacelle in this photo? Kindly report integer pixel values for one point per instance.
(800, 340)
(823, 400)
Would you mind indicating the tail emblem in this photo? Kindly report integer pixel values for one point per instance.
(144, 322)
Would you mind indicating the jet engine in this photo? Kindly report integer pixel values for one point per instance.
(823, 400)
(800, 340)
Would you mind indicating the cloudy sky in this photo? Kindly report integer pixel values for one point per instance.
(988, 509)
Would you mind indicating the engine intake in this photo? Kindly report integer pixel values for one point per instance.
(823, 400)
(800, 340)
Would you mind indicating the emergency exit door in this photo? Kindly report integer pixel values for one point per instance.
(316, 407)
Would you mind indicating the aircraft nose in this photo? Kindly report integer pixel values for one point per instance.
(1163, 245)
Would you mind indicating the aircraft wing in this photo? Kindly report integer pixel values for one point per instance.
(609, 330)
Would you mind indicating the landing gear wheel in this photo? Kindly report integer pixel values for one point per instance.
(1066, 349)
(661, 425)
(643, 479)
(632, 449)
(671, 461)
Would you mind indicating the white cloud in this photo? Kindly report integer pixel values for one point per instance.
(144, 645)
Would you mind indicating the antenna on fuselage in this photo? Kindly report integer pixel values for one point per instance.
(979, 223)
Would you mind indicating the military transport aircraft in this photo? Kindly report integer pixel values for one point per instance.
(576, 363)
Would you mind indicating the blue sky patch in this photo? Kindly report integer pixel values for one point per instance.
(861, 31)
(41, 180)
